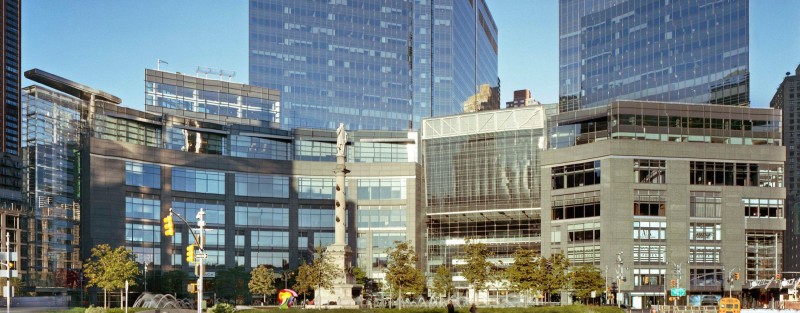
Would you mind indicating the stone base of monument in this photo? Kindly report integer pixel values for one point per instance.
(344, 286)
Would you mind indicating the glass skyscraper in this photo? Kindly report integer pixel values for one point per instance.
(693, 51)
(374, 64)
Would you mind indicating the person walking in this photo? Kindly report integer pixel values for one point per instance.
(450, 307)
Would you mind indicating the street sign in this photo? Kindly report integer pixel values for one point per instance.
(677, 292)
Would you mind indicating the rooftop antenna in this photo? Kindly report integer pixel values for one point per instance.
(158, 67)
(213, 71)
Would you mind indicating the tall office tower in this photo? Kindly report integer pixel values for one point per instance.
(787, 99)
(692, 51)
(374, 64)
(10, 163)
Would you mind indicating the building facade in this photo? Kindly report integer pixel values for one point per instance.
(267, 193)
(787, 99)
(693, 51)
(654, 192)
(482, 184)
(522, 98)
(53, 137)
(381, 65)
(12, 217)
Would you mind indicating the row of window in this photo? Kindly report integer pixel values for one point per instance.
(575, 175)
(258, 185)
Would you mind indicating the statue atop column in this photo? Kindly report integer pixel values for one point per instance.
(341, 140)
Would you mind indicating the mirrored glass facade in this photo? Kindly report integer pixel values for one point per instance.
(693, 51)
(374, 64)
(52, 172)
(482, 183)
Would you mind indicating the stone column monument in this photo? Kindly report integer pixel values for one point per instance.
(339, 252)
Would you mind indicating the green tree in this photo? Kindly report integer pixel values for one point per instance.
(478, 270)
(174, 282)
(359, 274)
(232, 284)
(585, 279)
(551, 274)
(318, 275)
(109, 269)
(262, 281)
(442, 281)
(401, 270)
(522, 274)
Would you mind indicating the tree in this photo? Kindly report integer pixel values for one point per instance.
(478, 270)
(174, 282)
(522, 274)
(318, 275)
(359, 274)
(109, 269)
(232, 283)
(442, 281)
(262, 281)
(401, 269)
(551, 273)
(585, 279)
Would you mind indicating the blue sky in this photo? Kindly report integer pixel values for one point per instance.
(108, 44)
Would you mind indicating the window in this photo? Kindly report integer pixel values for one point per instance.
(705, 204)
(702, 277)
(257, 185)
(260, 148)
(576, 175)
(142, 233)
(579, 205)
(269, 239)
(382, 189)
(763, 208)
(142, 174)
(315, 218)
(316, 188)
(736, 174)
(584, 254)
(704, 254)
(649, 203)
(648, 276)
(276, 259)
(650, 254)
(378, 216)
(142, 206)
(262, 214)
(585, 232)
(651, 231)
(188, 208)
(215, 237)
(185, 179)
(650, 171)
(705, 232)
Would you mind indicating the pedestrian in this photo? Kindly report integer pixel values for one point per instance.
(450, 307)
(473, 309)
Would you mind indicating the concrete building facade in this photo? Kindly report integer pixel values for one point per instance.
(653, 192)
(787, 99)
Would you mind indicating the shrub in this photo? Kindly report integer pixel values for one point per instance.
(221, 308)
(95, 309)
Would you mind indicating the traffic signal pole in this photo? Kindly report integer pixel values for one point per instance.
(8, 279)
(200, 240)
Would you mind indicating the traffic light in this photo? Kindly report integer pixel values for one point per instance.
(736, 276)
(647, 280)
(10, 265)
(673, 283)
(190, 253)
(192, 288)
(169, 227)
(778, 276)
